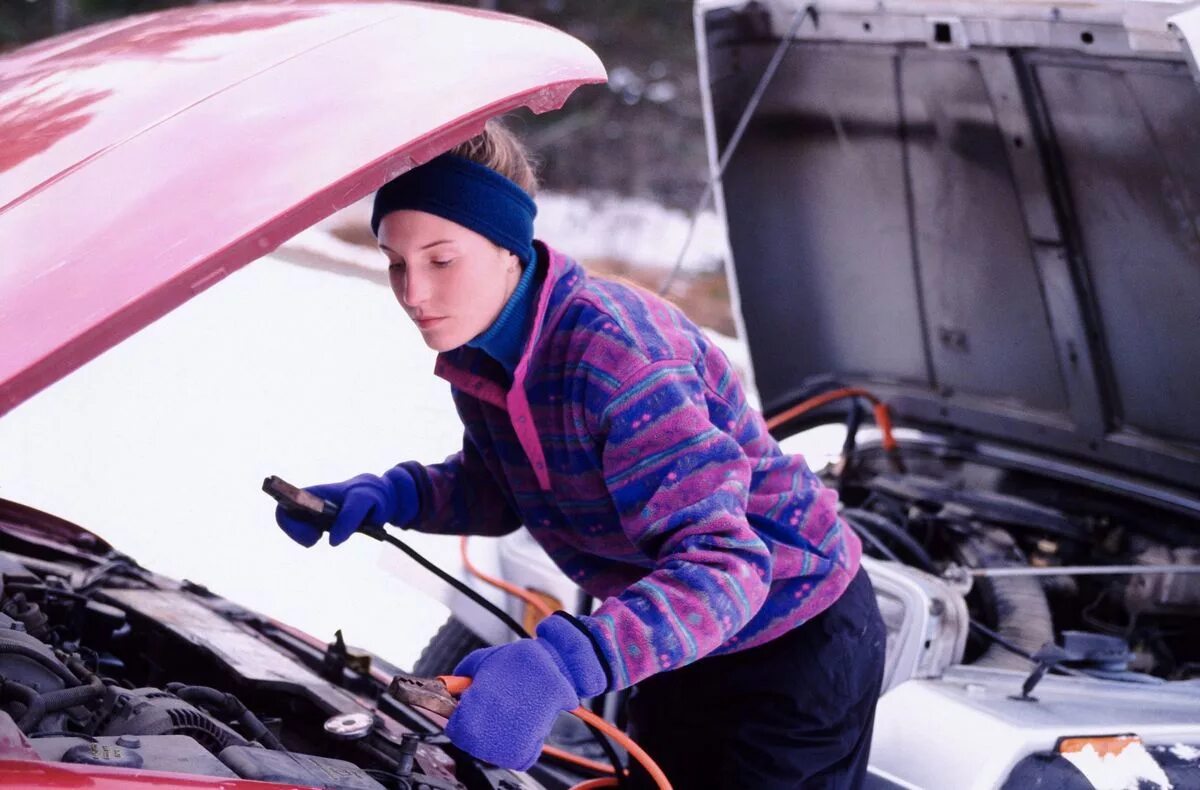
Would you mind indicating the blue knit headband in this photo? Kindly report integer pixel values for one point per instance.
(467, 193)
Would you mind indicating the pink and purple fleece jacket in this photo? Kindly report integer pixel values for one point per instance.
(626, 447)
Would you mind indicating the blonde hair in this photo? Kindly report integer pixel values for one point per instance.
(501, 150)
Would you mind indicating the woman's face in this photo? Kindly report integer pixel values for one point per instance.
(451, 281)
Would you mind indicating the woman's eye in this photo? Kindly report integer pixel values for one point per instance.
(443, 263)
(396, 266)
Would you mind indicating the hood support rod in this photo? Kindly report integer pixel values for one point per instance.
(1072, 570)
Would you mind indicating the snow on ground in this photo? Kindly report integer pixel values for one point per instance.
(161, 444)
(299, 365)
(632, 229)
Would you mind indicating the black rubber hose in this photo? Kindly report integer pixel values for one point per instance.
(57, 700)
(10, 689)
(53, 701)
(850, 444)
(870, 537)
(610, 753)
(877, 523)
(11, 648)
(232, 706)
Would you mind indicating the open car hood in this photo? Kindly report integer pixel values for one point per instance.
(987, 213)
(146, 159)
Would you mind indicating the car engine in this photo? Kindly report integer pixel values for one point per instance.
(103, 663)
(947, 510)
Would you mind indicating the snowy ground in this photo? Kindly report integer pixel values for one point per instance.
(299, 365)
(162, 443)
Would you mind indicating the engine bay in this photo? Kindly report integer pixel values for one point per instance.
(1035, 550)
(103, 663)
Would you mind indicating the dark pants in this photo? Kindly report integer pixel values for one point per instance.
(794, 712)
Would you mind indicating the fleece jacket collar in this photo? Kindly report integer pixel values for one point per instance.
(505, 338)
(473, 371)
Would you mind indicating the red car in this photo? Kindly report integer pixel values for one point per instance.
(143, 161)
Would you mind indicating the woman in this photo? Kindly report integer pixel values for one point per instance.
(599, 417)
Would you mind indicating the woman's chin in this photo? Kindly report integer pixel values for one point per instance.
(442, 341)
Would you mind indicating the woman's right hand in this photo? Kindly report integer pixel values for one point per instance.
(364, 500)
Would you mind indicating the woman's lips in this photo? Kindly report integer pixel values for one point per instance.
(426, 323)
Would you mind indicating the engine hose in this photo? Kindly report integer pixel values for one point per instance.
(53, 701)
(870, 537)
(232, 706)
(1022, 612)
(850, 444)
(873, 522)
(10, 689)
(49, 663)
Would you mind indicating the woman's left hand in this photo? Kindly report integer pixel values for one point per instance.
(518, 689)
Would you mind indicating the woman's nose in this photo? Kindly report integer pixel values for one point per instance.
(414, 289)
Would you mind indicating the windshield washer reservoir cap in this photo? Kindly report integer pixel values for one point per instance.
(350, 726)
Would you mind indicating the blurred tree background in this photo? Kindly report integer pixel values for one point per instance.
(641, 136)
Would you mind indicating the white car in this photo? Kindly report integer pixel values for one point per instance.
(987, 215)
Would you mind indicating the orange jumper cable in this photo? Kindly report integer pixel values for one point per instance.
(456, 685)
(883, 418)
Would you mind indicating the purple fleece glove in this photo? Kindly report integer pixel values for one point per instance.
(367, 499)
(518, 689)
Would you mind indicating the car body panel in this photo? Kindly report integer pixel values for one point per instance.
(35, 775)
(157, 155)
(1187, 25)
(969, 732)
(988, 214)
(926, 620)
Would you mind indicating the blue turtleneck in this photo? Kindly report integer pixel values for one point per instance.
(504, 340)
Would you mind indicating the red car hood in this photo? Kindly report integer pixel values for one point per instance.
(146, 159)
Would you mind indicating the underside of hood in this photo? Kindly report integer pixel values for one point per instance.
(146, 159)
(989, 214)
